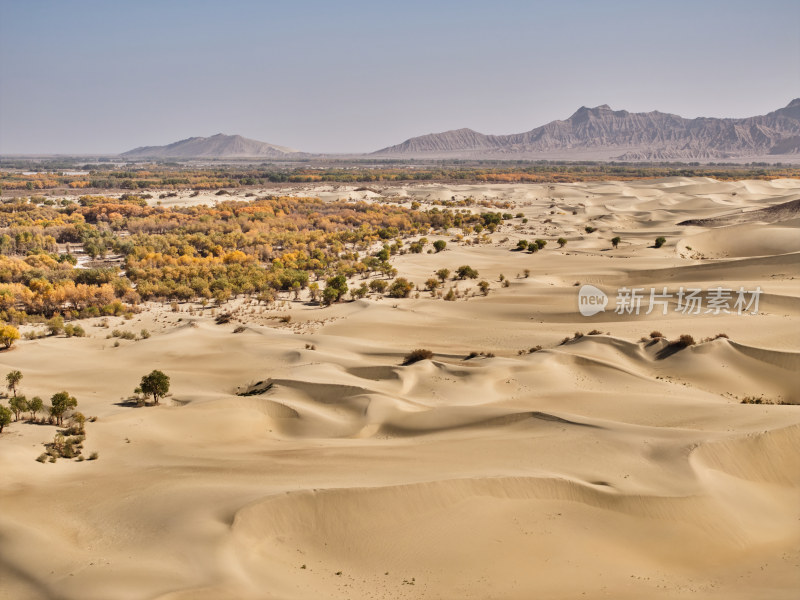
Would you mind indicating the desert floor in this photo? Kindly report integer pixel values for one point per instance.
(602, 467)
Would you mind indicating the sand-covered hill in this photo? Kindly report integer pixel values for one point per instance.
(297, 457)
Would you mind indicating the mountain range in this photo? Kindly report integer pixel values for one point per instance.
(598, 133)
(603, 133)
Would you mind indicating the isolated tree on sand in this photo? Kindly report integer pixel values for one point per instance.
(156, 384)
(562, 242)
(60, 404)
(8, 335)
(615, 241)
(5, 417)
(12, 381)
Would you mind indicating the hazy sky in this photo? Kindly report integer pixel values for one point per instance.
(338, 76)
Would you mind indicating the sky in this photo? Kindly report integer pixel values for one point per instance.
(99, 77)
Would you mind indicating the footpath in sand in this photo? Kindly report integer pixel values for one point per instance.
(605, 466)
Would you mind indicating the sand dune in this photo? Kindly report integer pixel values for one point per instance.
(303, 460)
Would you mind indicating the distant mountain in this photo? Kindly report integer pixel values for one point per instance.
(216, 146)
(603, 133)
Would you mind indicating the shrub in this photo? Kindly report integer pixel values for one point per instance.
(561, 242)
(221, 319)
(417, 355)
(144, 334)
(522, 245)
(400, 288)
(465, 271)
(239, 329)
(615, 241)
(94, 456)
(590, 229)
(431, 284)
(439, 245)
(527, 273)
(484, 287)
(378, 285)
(684, 341)
(534, 349)
(595, 332)
(660, 241)
(443, 274)
(450, 296)
(656, 334)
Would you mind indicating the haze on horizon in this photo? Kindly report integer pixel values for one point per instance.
(90, 77)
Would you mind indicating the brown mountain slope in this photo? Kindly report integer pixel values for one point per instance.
(624, 135)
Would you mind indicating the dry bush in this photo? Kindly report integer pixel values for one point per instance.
(417, 355)
(684, 341)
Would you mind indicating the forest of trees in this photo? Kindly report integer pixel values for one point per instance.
(205, 253)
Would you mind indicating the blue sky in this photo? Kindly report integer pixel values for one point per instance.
(103, 77)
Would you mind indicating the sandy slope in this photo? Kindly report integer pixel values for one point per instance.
(602, 467)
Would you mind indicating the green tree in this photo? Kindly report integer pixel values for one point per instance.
(439, 245)
(443, 274)
(60, 403)
(541, 244)
(335, 289)
(156, 384)
(19, 405)
(484, 287)
(615, 241)
(12, 381)
(660, 241)
(522, 244)
(35, 405)
(562, 242)
(5, 417)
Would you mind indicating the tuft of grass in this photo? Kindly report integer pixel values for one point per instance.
(417, 355)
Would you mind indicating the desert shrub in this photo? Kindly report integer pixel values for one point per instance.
(522, 245)
(561, 242)
(223, 318)
(239, 329)
(484, 287)
(42, 457)
(400, 288)
(590, 229)
(417, 355)
(443, 274)
(540, 244)
(450, 296)
(660, 241)
(378, 285)
(527, 273)
(439, 245)
(595, 332)
(615, 241)
(534, 349)
(655, 335)
(144, 334)
(94, 456)
(684, 341)
(465, 272)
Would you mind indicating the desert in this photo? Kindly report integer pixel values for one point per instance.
(304, 450)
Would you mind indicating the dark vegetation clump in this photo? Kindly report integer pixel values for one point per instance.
(417, 355)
